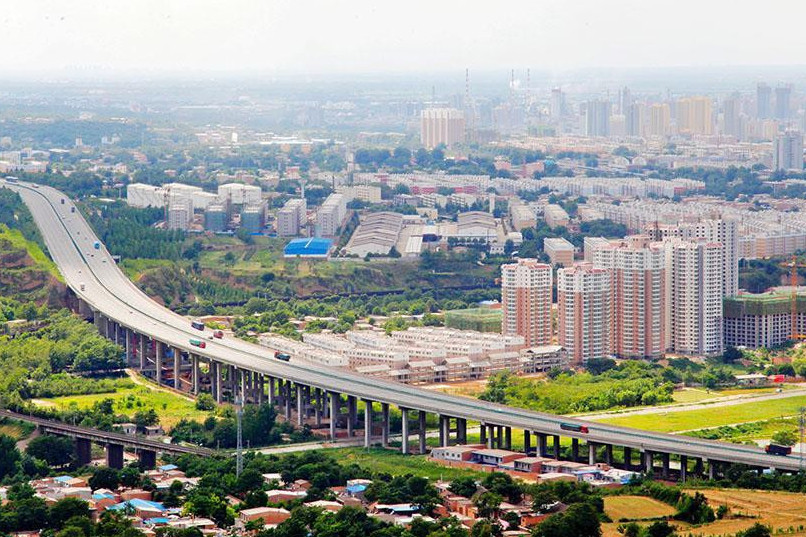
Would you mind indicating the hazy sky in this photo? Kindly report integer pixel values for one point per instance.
(322, 36)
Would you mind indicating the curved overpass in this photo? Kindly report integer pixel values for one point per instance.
(96, 280)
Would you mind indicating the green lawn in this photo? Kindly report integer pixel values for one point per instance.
(712, 417)
(392, 462)
(170, 407)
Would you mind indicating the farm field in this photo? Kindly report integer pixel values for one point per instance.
(779, 510)
(711, 416)
(391, 462)
(635, 508)
(169, 407)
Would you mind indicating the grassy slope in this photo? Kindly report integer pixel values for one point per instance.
(392, 462)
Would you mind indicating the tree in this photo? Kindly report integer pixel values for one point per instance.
(503, 484)
(205, 402)
(660, 528)
(579, 520)
(9, 456)
(731, 355)
(104, 478)
(487, 504)
(55, 450)
(130, 477)
(756, 530)
(66, 509)
(785, 438)
(463, 486)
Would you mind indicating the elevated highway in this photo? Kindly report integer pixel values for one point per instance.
(152, 334)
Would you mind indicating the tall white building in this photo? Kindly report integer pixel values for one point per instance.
(694, 300)
(331, 214)
(597, 118)
(526, 301)
(584, 310)
(787, 153)
(291, 217)
(239, 194)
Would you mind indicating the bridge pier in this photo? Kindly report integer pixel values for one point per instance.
(404, 430)
(334, 411)
(508, 438)
(143, 363)
(300, 405)
(83, 451)
(499, 437)
(542, 444)
(385, 424)
(159, 350)
(556, 446)
(648, 462)
(367, 423)
(351, 415)
(147, 459)
(114, 456)
(194, 374)
(575, 449)
(665, 465)
(461, 431)
(444, 430)
(177, 369)
(421, 431)
(609, 454)
(591, 453)
(627, 458)
(683, 468)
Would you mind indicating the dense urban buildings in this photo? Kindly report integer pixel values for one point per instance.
(526, 301)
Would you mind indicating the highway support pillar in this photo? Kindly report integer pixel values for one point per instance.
(490, 436)
(648, 462)
(158, 346)
(83, 452)
(219, 397)
(665, 465)
(128, 336)
(683, 468)
(114, 456)
(444, 430)
(421, 431)
(287, 400)
(404, 430)
(461, 431)
(147, 459)
(499, 437)
(608, 454)
(143, 361)
(385, 424)
(542, 444)
(483, 433)
(527, 443)
(627, 458)
(272, 395)
(351, 415)
(557, 447)
(261, 393)
(508, 438)
(334, 411)
(575, 449)
(712, 471)
(194, 361)
(367, 423)
(317, 407)
(300, 405)
(177, 369)
(591, 453)
(698, 467)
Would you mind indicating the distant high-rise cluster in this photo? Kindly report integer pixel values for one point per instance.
(638, 297)
(442, 126)
(787, 153)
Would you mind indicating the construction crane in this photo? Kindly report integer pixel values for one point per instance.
(793, 265)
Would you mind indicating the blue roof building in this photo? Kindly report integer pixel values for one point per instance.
(313, 247)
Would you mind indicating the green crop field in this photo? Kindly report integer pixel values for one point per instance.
(712, 416)
(392, 462)
(169, 406)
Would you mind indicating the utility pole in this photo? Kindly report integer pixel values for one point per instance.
(802, 428)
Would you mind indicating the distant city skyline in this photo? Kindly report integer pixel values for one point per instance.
(364, 36)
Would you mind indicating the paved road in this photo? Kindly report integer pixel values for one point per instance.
(96, 279)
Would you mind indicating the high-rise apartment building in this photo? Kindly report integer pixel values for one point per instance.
(331, 214)
(783, 96)
(442, 126)
(694, 116)
(597, 118)
(526, 301)
(787, 151)
(637, 272)
(584, 309)
(180, 214)
(660, 120)
(634, 119)
(732, 117)
(557, 104)
(694, 296)
(291, 218)
(763, 101)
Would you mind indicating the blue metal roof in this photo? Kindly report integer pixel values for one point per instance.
(313, 247)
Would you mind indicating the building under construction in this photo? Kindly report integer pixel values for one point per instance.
(765, 319)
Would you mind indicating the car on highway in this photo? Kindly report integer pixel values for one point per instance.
(282, 356)
(198, 325)
(198, 343)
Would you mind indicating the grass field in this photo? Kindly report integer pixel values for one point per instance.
(635, 508)
(170, 407)
(779, 510)
(17, 430)
(712, 417)
(391, 462)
